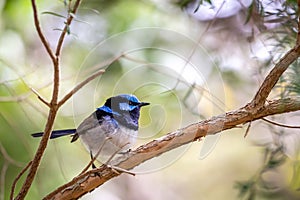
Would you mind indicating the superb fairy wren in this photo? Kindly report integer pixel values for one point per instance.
(111, 129)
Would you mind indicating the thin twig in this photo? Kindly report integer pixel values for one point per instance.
(80, 85)
(278, 124)
(40, 97)
(197, 44)
(215, 100)
(67, 26)
(2, 179)
(298, 33)
(115, 153)
(8, 158)
(120, 170)
(17, 98)
(40, 33)
(17, 179)
(248, 129)
(88, 79)
(95, 157)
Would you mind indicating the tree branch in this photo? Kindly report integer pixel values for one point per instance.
(272, 78)
(40, 33)
(80, 85)
(298, 34)
(67, 26)
(281, 125)
(280, 67)
(40, 97)
(17, 179)
(87, 182)
(54, 100)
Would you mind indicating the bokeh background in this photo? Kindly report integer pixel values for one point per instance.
(190, 60)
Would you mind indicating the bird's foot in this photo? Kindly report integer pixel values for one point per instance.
(125, 151)
(119, 170)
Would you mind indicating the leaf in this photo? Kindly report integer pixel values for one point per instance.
(273, 163)
(57, 29)
(200, 3)
(54, 14)
(73, 15)
(249, 12)
(244, 187)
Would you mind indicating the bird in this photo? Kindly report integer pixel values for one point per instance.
(110, 129)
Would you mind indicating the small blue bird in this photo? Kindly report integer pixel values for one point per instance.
(111, 129)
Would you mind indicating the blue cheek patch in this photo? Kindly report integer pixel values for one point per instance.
(126, 107)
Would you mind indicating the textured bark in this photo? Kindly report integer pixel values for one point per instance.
(258, 108)
(87, 182)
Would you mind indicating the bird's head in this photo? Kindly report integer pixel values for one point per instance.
(123, 104)
(124, 108)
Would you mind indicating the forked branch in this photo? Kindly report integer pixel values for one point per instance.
(87, 182)
(54, 100)
(80, 185)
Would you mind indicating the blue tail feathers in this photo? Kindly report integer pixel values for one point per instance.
(56, 133)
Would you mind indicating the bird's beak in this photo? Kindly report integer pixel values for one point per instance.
(143, 104)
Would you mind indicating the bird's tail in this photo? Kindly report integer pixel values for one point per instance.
(56, 134)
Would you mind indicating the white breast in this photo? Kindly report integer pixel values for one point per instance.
(107, 138)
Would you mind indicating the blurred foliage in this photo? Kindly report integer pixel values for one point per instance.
(291, 80)
(277, 22)
(257, 187)
(106, 29)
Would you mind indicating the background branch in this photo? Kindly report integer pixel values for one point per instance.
(279, 124)
(80, 85)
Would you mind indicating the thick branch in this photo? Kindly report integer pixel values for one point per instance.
(87, 182)
(39, 153)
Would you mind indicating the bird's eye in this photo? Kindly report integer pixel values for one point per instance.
(131, 103)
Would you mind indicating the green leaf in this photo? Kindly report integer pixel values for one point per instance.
(245, 187)
(53, 13)
(200, 3)
(249, 12)
(273, 163)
